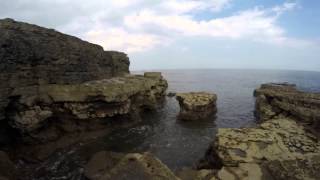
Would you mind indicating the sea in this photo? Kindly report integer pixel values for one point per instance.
(180, 144)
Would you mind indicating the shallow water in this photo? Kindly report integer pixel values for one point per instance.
(179, 144)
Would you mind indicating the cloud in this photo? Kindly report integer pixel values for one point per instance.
(120, 39)
(256, 24)
(140, 25)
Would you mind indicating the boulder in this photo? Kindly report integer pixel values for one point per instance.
(196, 105)
(106, 166)
(284, 100)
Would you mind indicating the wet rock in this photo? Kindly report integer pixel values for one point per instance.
(7, 169)
(131, 166)
(196, 105)
(284, 100)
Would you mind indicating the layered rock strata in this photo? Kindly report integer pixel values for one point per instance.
(196, 105)
(31, 56)
(284, 100)
(85, 106)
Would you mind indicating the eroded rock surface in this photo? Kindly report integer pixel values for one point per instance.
(196, 105)
(115, 166)
(277, 149)
(59, 110)
(31, 55)
(284, 100)
(281, 147)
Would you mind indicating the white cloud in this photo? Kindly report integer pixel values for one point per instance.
(189, 6)
(120, 39)
(139, 25)
(254, 24)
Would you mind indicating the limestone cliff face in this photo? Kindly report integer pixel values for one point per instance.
(31, 55)
(55, 84)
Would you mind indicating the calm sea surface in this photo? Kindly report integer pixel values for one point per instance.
(180, 144)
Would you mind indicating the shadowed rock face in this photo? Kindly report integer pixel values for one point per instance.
(31, 56)
(196, 105)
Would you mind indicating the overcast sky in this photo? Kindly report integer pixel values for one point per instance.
(175, 34)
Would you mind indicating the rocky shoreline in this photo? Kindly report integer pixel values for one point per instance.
(59, 91)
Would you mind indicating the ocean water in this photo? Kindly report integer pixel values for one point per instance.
(177, 143)
(180, 144)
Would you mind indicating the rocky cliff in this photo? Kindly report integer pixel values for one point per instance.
(31, 56)
(54, 85)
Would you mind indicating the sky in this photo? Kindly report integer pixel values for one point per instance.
(187, 34)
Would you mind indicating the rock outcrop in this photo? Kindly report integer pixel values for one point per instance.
(284, 100)
(110, 166)
(196, 105)
(31, 56)
(277, 149)
(86, 106)
(54, 85)
(281, 147)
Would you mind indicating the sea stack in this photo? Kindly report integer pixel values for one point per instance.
(196, 105)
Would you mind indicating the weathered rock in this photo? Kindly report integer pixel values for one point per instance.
(196, 105)
(131, 166)
(31, 55)
(56, 89)
(276, 142)
(7, 169)
(65, 107)
(284, 100)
